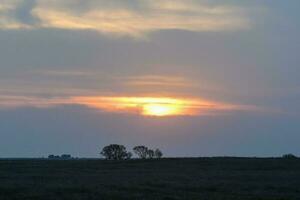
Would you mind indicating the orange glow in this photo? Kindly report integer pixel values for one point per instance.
(146, 106)
(160, 110)
(152, 106)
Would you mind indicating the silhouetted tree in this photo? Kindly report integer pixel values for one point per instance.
(289, 156)
(150, 153)
(158, 153)
(128, 156)
(54, 157)
(115, 152)
(65, 156)
(141, 151)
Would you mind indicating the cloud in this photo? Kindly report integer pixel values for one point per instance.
(158, 106)
(159, 80)
(134, 18)
(65, 73)
(8, 18)
(11, 101)
(141, 105)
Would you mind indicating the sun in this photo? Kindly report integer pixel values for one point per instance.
(160, 110)
(150, 106)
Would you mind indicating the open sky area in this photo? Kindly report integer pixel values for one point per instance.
(191, 77)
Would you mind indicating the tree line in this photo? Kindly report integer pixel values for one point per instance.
(119, 152)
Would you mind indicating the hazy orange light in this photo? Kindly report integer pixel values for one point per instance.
(160, 110)
(147, 106)
(152, 106)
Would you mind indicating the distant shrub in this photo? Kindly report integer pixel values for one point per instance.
(115, 152)
(144, 152)
(128, 156)
(63, 156)
(141, 151)
(289, 156)
(150, 153)
(158, 153)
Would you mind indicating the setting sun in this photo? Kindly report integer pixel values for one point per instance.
(147, 106)
(153, 106)
(161, 110)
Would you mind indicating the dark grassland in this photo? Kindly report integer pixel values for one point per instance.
(199, 178)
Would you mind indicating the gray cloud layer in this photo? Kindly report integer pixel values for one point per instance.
(134, 18)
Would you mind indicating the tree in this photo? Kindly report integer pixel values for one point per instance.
(141, 151)
(289, 156)
(128, 156)
(115, 152)
(54, 157)
(158, 153)
(150, 153)
(65, 156)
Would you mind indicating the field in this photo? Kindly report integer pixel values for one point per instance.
(182, 178)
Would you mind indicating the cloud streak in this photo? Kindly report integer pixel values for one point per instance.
(133, 18)
(8, 15)
(149, 106)
(159, 80)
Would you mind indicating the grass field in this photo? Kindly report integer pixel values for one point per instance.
(201, 178)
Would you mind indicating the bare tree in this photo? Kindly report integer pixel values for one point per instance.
(150, 153)
(289, 156)
(158, 153)
(141, 151)
(128, 156)
(115, 152)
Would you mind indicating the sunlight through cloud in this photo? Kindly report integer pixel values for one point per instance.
(124, 18)
(146, 106)
(155, 106)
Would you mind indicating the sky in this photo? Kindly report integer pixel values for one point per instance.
(190, 77)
